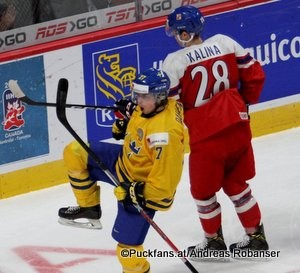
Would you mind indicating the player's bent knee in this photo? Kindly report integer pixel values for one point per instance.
(132, 259)
(75, 158)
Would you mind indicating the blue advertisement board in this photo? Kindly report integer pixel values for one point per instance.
(270, 31)
(24, 129)
(109, 68)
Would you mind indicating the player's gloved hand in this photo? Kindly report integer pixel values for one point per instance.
(119, 128)
(130, 193)
(125, 108)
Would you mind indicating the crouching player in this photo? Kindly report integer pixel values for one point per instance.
(148, 166)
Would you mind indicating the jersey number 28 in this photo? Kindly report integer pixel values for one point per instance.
(212, 81)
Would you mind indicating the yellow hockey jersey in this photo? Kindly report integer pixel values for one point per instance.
(153, 152)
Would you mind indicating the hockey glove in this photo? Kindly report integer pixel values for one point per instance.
(130, 193)
(119, 128)
(125, 108)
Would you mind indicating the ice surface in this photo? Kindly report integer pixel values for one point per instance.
(32, 241)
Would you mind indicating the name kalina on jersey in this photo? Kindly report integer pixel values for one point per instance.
(203, 52)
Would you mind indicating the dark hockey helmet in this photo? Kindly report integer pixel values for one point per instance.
(151, 81)
(185, 18)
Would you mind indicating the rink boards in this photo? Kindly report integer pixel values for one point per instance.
(31, 153)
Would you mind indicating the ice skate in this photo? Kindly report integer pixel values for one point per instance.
(252, 246)
(210, 250)
(76, 216)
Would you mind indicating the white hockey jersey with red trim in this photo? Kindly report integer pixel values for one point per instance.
(199, 72)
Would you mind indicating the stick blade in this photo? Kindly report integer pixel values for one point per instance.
(61, 97)
(62, 87)
(16, 89)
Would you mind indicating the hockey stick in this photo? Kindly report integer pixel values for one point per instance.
(61, 98)
(17, 91)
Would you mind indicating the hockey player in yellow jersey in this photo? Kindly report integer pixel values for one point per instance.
(148, 166)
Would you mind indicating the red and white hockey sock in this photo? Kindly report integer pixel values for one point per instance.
(209, 212)
(247, 210)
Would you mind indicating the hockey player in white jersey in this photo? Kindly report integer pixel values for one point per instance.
(216, 79)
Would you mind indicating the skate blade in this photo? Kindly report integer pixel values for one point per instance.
(211, 260)
(210, 256)
(255, 255)
(90, 224)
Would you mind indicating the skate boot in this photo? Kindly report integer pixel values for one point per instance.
(211, 249)
(255, 242)
(88, 217)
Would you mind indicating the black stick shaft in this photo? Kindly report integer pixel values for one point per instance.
(76, 106)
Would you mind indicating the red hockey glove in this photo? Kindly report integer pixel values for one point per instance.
(125, 108)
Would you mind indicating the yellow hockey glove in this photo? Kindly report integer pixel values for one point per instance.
(119, 128)
(130, 193)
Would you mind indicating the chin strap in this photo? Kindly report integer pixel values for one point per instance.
(159, 108)
(156, 111)
(183, 42)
